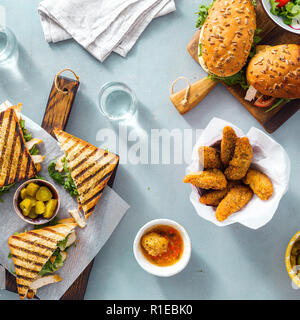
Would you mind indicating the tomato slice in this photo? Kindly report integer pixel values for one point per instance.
(264, 101)
(282, 3)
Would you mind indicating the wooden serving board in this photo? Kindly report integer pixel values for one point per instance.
(271, 35)
(56, 116)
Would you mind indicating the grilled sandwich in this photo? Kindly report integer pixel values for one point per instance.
(90, 168)
(17, 162)
(37, 253)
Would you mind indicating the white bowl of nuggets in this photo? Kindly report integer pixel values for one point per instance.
(237, 177)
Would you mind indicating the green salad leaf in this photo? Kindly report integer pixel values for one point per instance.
(288, 12)
(26, 134)
(5, 189)
(34, 150)
(202, 14)
(50, 267)
(277, 103)
(238, 78)
(65, 178)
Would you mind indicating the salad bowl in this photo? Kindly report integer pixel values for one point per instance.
(285, 13)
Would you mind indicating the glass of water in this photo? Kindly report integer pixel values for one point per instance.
(117, 101)
(8, 46)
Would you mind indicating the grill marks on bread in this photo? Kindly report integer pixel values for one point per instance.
(16, 163)
(31, 250)
(90, 168)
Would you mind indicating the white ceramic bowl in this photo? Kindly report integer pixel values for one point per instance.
(157, 270)
(278, 20)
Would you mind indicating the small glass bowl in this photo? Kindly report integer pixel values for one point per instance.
(9, 52)
(117, 101)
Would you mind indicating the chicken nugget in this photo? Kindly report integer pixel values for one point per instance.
(209, 179)
(227, 145)
(213, 198)
(234, 201)
(260, 184)
(240, 163)
(209, 158)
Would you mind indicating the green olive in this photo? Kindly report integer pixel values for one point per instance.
(43, 194)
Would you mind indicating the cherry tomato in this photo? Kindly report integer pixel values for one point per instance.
(282, 3)
(264, 101)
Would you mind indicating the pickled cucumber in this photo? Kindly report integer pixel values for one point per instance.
(33, 200)
(32, 189)
(23, 193)
(43, 194)
(50, 208)
(32, 214)
(40, 207)
(26, 206)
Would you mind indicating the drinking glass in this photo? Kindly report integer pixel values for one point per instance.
(8, 46)
(117, 101)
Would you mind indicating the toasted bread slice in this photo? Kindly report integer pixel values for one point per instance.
(31, 250)
(90, 168)
(16, 163)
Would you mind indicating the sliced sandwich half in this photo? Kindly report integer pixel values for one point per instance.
(38, 253)
(16, 163)
(90, 168)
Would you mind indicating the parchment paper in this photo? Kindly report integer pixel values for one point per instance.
(268, 156)
(107, 215)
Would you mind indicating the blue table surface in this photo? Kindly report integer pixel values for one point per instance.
(233, 262)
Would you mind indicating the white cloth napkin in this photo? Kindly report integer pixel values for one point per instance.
(100, 26)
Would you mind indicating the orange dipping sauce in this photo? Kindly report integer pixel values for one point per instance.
(174, 248)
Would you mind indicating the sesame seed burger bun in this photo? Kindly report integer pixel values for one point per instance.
(226, 36)
(275, 71)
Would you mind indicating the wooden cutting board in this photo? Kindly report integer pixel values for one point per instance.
(56, 116)
(271, 35)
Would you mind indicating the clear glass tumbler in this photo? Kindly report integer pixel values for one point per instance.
(117, 101)
(8, 46)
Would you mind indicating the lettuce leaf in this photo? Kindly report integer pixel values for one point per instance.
(5, 189)
(202, 14)
(65, 178)
(288, 12)
(26, 134)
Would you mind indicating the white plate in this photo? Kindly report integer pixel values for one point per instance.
(279, 21)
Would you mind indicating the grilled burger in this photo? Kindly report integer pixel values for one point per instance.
(227, 36)
(274, 73)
